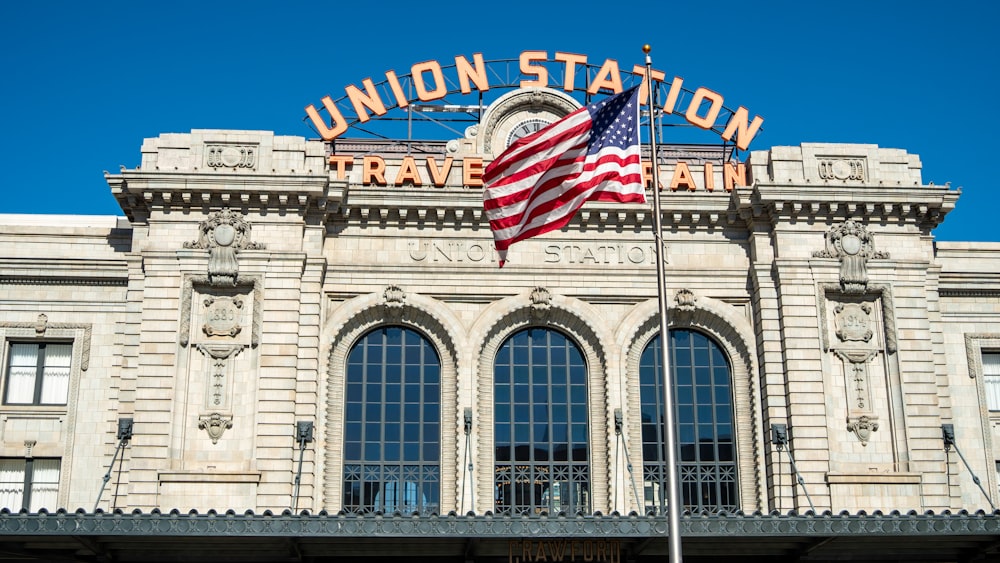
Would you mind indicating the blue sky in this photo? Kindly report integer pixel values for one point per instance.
(85, 83)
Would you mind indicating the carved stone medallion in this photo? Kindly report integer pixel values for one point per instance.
(215, 424)
(223, 316)
(853, 245)
(863, 426)
(853, 322)
(223, 233)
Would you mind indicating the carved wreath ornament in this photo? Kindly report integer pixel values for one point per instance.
(223, 233)
(215, 424)
(853, 245)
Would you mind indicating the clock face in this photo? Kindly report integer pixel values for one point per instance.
(525, 128)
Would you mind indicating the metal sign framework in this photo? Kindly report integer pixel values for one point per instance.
(453, 110)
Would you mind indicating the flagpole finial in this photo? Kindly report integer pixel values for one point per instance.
(646, 48)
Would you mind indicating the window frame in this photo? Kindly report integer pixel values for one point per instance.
(975, 345)
(993, 406)
(28, 469)
(365, 482)
(542, 493)
(40, 369)
(78, 335)
(698, 467)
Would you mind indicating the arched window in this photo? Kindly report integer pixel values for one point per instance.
(702, 383)
(392, 424)
(541, 439)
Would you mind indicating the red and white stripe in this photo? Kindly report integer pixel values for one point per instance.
(542, 180)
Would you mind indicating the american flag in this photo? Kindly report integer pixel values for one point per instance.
(540, 181)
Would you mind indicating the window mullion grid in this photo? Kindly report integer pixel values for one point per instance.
(661, 408)
(39, 374)
(542, 469)
(29, 470)
(550, 447)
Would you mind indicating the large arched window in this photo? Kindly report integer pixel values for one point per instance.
(541, 438)
(702, 383)
(392, 428)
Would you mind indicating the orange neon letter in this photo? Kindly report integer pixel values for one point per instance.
(397, 89)
(340, 163)
(439, 176)
(673, 94)
(423, 93)
(608, 77)
(682, 178)
(658, 76)
(365, 101)
(408, 172)
(339, 124)
(541, 72)
(467, 72)
(738, 125)
(373, 171)
(472, 172)
(734, 175)
(715, 101)
(571, 61)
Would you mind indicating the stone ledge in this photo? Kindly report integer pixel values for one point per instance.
(873, 478)
(203, 477)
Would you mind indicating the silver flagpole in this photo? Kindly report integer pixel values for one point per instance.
(670, 433)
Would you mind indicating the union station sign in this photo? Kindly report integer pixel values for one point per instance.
(430, 81)
(560, 72)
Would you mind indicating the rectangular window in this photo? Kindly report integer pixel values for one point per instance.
(38, 373)
(29, 484)
(991, 379)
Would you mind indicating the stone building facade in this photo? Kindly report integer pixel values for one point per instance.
(294, 324)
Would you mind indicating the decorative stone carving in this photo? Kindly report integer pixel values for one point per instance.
(853, 322)
(41, 324)
(853, 245)
(541, 302)
(863, 426)
(215, 424)
(198, 288)
(842, 169)
(222, 316)
(685, 299)
(77, 332)
(861, 418)
(220, 355)
(394, 299)
(230, 156)
(223, 233)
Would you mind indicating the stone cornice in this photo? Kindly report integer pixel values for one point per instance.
(138, 193)
(463, 208)
(924, 206)
(63, 271)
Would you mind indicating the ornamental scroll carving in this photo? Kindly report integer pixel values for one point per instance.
(223, 234)
(861, 416)
(685, 299)
(219, 323)
(215, 424)
(231, 156)
(541, 303)
(393, 302)
(842, 169)
(853, 245)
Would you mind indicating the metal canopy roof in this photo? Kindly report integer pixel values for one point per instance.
(155, 536)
